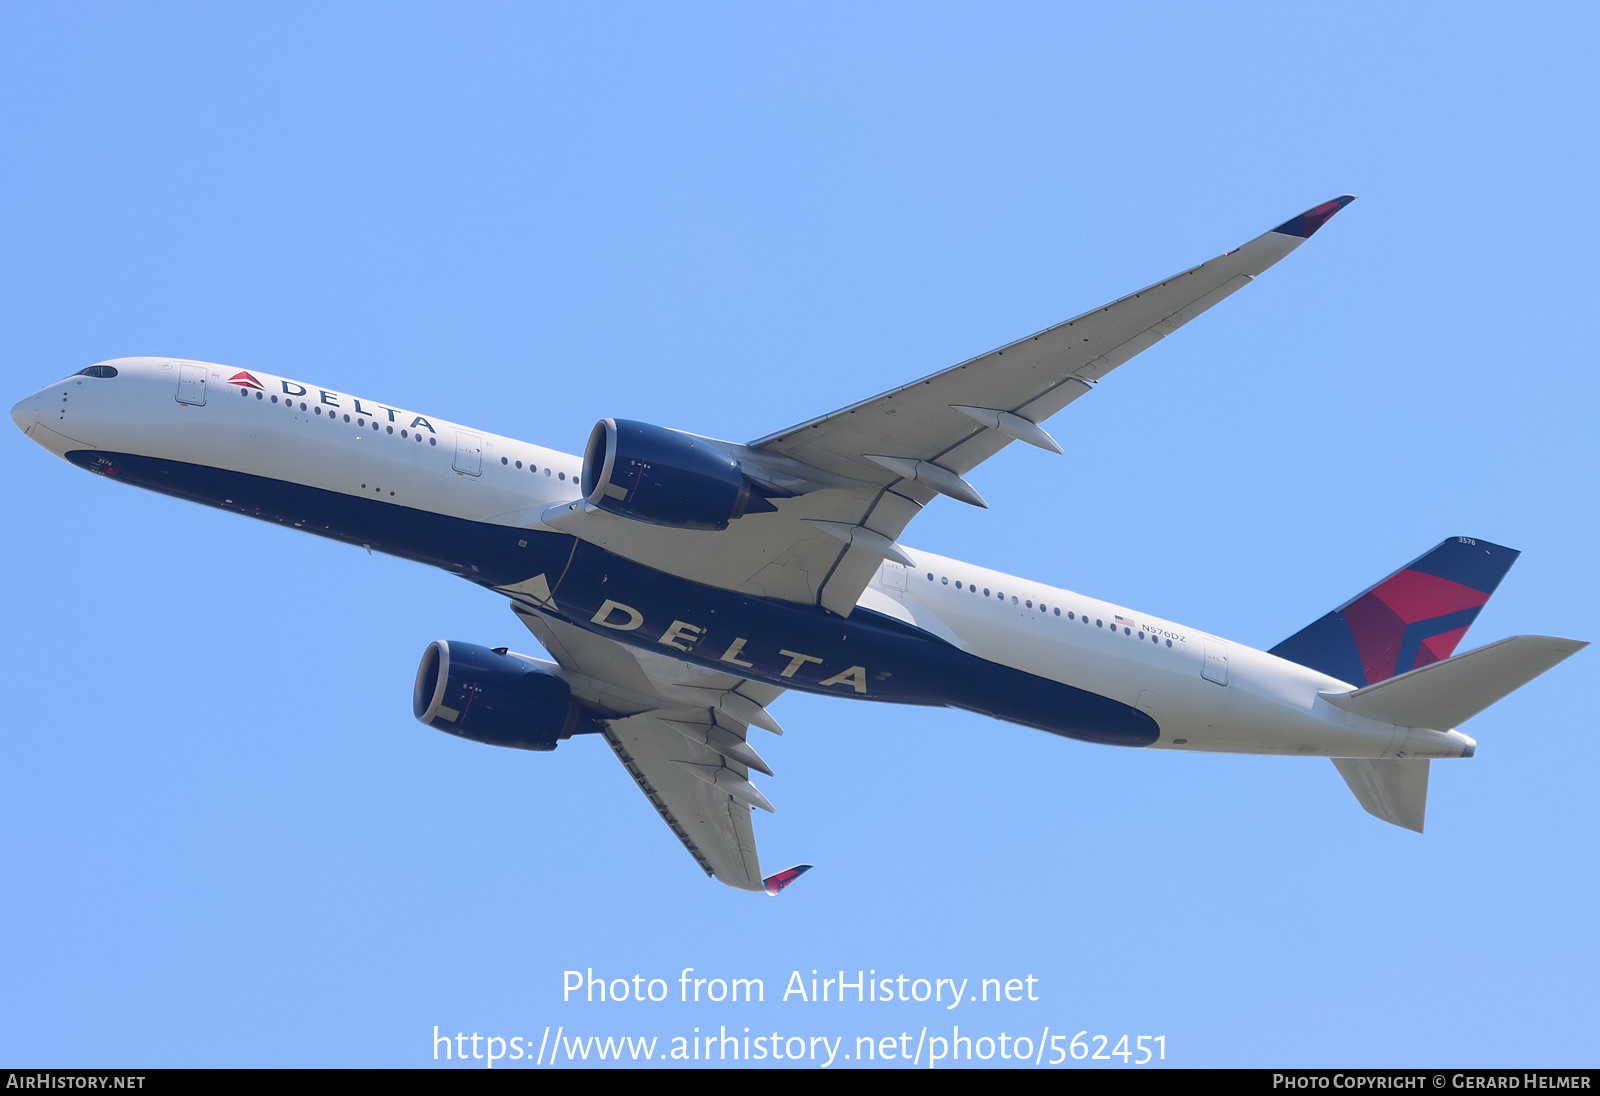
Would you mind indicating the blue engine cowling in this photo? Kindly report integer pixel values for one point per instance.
(665, 477)
(496, 697)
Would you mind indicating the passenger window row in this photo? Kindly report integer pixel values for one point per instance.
(362, 423)
(335, 416)
(1072, 615)
(535, 469)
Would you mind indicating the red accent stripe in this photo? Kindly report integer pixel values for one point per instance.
(1417, 595)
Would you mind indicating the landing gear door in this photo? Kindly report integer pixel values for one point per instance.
(192, 385)
(1216, 666)
(469, 453)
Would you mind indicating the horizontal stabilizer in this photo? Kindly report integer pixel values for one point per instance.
(1395, 790)
(1443, 694)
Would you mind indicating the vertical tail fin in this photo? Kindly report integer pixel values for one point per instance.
(1413, 618)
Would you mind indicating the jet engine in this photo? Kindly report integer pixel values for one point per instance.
(665, 477)
(496, 697)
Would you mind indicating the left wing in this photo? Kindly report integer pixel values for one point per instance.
(680, 732)
(849, 482)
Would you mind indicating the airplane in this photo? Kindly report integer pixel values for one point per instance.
(681, 584)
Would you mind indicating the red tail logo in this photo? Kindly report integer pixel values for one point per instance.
(245, 380)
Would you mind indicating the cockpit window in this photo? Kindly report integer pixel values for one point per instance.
(98, 371)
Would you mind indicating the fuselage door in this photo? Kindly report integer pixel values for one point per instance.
(469, 453)
(192, 385)
(1216, 667)
(893, 575)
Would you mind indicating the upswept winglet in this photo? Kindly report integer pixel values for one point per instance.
(781, 879)
(1314, 218)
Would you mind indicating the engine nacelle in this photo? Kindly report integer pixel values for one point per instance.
(496, 697)
(664, 477)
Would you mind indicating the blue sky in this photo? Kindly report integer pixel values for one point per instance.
(230, 844)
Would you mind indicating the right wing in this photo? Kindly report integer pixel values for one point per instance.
(680, 732)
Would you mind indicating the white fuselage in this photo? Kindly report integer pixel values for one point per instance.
(1203, 692)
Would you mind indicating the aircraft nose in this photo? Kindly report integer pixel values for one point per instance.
(26, 413)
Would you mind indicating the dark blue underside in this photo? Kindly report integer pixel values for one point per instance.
(898, 663)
